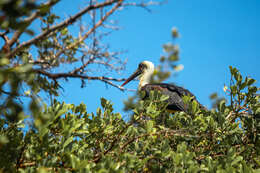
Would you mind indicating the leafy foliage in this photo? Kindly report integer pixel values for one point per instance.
(67, 138)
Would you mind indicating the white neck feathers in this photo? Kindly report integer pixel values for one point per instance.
(145, 77)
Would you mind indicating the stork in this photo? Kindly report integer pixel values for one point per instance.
(145, 71)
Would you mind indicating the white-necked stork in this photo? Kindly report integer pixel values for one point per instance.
(145, 71)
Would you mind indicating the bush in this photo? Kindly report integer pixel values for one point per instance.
(66, 138)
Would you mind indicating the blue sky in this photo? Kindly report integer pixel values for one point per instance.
(214, 35)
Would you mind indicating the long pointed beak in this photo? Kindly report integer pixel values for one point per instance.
(134, 75)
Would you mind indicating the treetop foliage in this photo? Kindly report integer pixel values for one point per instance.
(66, 138)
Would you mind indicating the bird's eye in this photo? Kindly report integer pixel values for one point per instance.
(142, 66)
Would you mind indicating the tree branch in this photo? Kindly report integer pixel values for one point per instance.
(60, 25)
(99, 23)
(55, 76)
(145, 4)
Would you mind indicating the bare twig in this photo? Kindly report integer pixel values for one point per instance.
(73, 75)
(86, 35)
(19, 159)
(55, 76)
(229, 115)
(144, 5)
(60, 25)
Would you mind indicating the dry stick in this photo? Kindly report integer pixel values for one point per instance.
(27, 164)
(60, 25)
(6, 47)
(55, 76)
(19, 159)
(144, 5)
(84, 65)
(73, 75)
(99, 23)
(203, 157)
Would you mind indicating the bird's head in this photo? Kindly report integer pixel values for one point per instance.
(144, 71)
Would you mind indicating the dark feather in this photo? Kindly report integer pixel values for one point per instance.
(175, 94)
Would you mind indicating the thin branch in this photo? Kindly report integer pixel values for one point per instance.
(19, 159)
(86, 35)
(2, 34)
(60, 25)
(55, 76)
(6, 47)
(107, 65)
(213, 155)
(84, 65)
(27, 164)
(145, 5)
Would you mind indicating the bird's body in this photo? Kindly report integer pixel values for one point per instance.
(175, 93)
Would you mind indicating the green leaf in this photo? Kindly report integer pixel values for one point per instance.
(3, 140)
(168, 47)
(257, 161)
(109, 129)
(233, 90)
(103, 102)
(251, 81)
(4, 61)
(243, 85)
(29, 32)
(164, 98)
(252, 89)
(222, 106)
(101, 145)
(68, 141)
(195, 107)
(149, 126)
(257, 111)
(74, 161)
(237, 159)
(64, 31)
(231, 70)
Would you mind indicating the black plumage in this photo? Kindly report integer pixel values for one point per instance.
(175, 93)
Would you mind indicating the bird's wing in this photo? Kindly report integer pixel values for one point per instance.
(175, 94)
(184, 92)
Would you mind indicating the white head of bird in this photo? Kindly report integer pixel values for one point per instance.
(144, 71)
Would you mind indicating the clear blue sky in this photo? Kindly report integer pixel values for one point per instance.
(214, 35)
